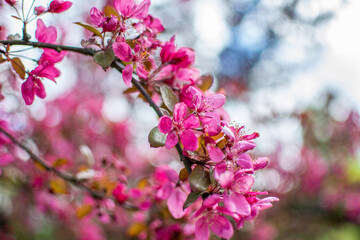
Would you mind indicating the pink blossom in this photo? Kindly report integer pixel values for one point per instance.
(58, 6)
(204, 106)
(181, 58)
(45, 34)
(97, 17)
(123, 51)
(33, 85)
(211, 217)
(119, 193)
(129, 9)
(108, 24)
(153, 24)
(180, 126)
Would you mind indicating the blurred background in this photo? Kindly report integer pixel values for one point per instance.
(290, 70)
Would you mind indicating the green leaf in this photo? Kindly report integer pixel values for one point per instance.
(168, 97)
(191, 198)
(18, 67)
(156, 138)
(104, 58)
(212, 179)
(90, 28)
(199, 179)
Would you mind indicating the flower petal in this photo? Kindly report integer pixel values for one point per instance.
(122, 51)
(165, 191)
(222, 175)
(175, 203)
(215, 153)
(165, 124)
(141, 71)
(39, 88)
(221, 226)
(202, 229)
(141, 10)
(127, 75)
(124, 7)
(215, 101)
(261, 163)
(242, 184)
(96, 17)
(179, 112)
(191, 121)
(244, 161)
(171, 140)
(244, 146)
(27, 90)
(189, 140)
(242, 207)
(45, 34)
(211, 200)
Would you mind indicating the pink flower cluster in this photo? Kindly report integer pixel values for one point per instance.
(45, 69)
(195, 120)
(219, 181)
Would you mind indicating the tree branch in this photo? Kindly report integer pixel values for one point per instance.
(84, 51)
(116, 64)
(67, 177)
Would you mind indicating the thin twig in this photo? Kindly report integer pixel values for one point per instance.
(84, 51)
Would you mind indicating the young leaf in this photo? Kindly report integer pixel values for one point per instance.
(90, 28)
(83, 210)
(58, 185)
(135, 229)
(168, 97)
(104, 58)
(109, 10)
(2, 59)
(156, 138)
(183, 174)
(60, 162)
(206, 82)
(192, 197)
(199, 179)
(18, 67)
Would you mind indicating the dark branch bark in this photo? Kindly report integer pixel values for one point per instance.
(84, 51)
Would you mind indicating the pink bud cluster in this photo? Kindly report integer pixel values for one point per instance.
(55, 6)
